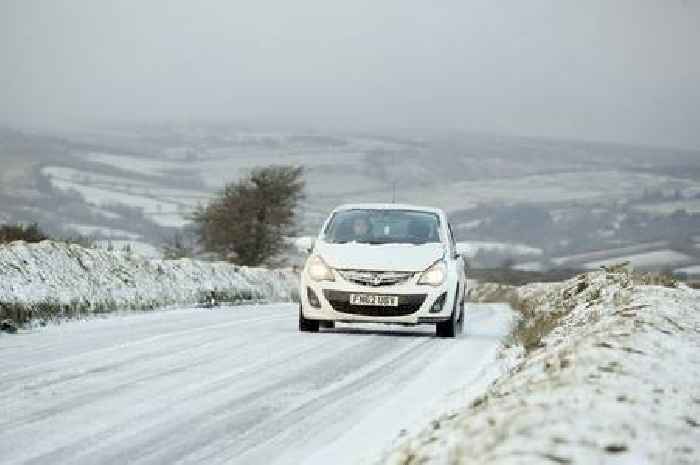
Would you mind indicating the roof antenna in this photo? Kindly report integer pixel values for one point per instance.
(393, 185)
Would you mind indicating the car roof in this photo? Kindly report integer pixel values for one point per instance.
(388, 206)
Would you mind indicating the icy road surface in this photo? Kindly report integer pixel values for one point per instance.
(232, 385)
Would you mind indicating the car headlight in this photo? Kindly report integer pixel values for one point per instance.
(435, 275)
(318, 270)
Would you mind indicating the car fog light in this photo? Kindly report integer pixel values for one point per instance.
(439, 303)
(312, 298)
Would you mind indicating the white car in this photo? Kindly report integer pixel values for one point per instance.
(384, 263)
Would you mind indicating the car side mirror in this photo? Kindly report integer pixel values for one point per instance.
(311, 245)
(306, 244)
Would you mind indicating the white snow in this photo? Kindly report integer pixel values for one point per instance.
(666, 208)
(76, 176)
(530, 266)
(614, 383)
(140, 165)
(470, 248)
(163, 213)
(654, 259)
(137, 247)
(94, 280)
(231, 385)
(467, 225)
(578, 186)
(91, 230)
(608, 254)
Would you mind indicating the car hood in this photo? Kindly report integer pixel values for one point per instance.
(381, 257)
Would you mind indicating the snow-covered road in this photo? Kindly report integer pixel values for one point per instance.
(231, 385)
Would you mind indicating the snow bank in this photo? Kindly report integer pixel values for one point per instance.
(51, 278)
(615, 381)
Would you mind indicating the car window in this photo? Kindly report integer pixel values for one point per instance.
(383, 227)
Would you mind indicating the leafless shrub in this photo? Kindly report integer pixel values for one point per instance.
(665, 279)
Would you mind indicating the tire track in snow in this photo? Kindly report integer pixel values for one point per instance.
(218, 392)
(213, 407)
(30, 371)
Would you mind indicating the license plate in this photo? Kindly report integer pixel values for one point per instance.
(374, 300)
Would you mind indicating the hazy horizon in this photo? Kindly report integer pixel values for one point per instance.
(623, 72)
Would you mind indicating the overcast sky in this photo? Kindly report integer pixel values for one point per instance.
(621, 70)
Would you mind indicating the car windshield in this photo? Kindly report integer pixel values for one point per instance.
(383, 227)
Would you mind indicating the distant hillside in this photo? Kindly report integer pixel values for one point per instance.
(562, 197)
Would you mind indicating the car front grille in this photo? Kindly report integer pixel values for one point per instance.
(340, 301)
(376, 278)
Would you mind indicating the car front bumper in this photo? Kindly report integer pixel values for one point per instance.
(415, 302)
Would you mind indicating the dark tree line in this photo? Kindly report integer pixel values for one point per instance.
(21, 232)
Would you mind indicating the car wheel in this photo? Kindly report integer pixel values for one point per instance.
(306, 325)
(462, 317)
(446, 328)
(453, 326)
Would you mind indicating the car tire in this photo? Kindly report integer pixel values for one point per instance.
(306, 325)
(455, 325)
(446, 328)
(462, 318)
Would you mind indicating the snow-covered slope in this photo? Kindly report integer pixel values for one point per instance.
(53, 278)
(615, 381)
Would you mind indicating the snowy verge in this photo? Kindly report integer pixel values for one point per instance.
(613, 381)
(52, 279)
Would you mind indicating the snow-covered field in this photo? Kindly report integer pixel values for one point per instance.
(154, 205)
(615, 382)
(237, 385)
(470, 248)
(98, 231)
(666, 208)
(655, 259)
(557, 187)
(608, 254)
(53, 278)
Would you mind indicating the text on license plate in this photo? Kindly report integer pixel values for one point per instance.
(373, 299)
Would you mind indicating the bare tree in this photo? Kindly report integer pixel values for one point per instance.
(248, 221)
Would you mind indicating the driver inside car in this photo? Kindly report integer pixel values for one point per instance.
(361, 229)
